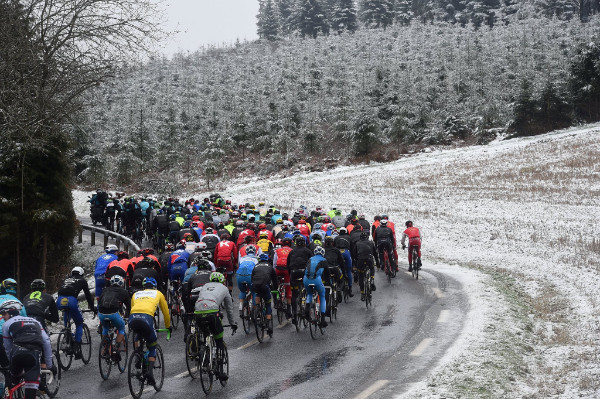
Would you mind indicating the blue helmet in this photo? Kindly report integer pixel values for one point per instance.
(264, 257)
(173, 217)
(149, 282)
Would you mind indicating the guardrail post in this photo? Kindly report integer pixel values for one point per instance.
(93, 237)
(126, 247)
(105, 240)
(80, 240)
(118, 243)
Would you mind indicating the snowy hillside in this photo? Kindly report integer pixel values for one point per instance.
(517, 222)
(524, 212)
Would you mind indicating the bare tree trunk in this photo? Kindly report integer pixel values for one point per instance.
(44, 256)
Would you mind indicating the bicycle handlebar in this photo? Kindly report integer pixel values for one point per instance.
(165, 330)
(231, 326)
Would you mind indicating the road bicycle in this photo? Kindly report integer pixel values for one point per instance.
(175, 303)
(280, 305)
(332, 300)
(203, 359)
(17, 391)
(390, 271)
(416, 261)
(314, 312)
(261, 323)
(108, 355)
(138, 367)
(65, 344)
(247, 314)
(300, 302)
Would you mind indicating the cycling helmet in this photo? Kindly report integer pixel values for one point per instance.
(225, 236)
(301, 221)
(328, 241)
(206, 254)
(409, 223)
(169, 247)
(383, 222)
(263, 234)
(9, 286)
(173, 217)
(343, 230)
(300, 241)
(147, 251)
(11, 306)
(117, 281)
(188, 216)
(278, 242)
(319, 251)
(264, 257)
(331, 227)
(286, 241)
(188, 237)
(38, 285)
(216, 277)
(251, 226)
(209, 230)
(250, 250)
(122, 255)
(384, 217)
(111, 248)
(279, 221)
(202, 245)
(377, 217)
(187, 224)
(77, 271)
(364, 235)
(195, 223)
(262, 226)
(202, 264)
(149, 282)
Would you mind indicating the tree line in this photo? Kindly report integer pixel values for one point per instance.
(277, 19)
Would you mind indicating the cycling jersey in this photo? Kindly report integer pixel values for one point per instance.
(72, 286)
(40, 306)
(26, 332)
(147, 301)
(112, 299)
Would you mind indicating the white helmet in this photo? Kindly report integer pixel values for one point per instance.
(111, 248)
(77, 271)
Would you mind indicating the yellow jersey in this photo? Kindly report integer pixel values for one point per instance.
(147, 301)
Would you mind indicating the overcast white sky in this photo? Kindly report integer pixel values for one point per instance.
(209, 22)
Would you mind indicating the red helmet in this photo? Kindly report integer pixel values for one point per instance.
(262, 226)
(301, 221)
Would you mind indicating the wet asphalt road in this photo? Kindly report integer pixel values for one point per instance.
(378, 351)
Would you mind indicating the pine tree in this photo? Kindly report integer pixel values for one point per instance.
(524, 111)
(311, 19)
(585, 82)
(267, 21)
(377, 13)
(345, 17)
(403, 12)
(285, 10)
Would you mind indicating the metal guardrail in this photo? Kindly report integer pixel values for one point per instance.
(129, 245)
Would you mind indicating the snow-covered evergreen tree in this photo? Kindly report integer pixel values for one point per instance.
(377, 13)
(345, 17)
(311, 19)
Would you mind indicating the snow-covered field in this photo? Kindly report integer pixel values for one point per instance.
(517, 222)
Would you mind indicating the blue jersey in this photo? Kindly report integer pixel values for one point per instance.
(316, 268)
(275, 218)
(144, 205)
(102, 264)
(8, 297)
(246, 266)
(181, 255)
(189, 273)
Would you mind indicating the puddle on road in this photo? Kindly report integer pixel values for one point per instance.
(313, 370)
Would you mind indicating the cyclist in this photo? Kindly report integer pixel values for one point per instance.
(23, 340)
(211, 297)
(8, 292)
(190, 288)
(40, 305)
(263, 279)
(336, 263)
(344, 244)
(280, 258)
(414, 240)
(226, 258)
(315, 273)
(145, 268)
(141, 321)
(365, 252)
(244, 274)
(298, 258)
(265, 244)
(102, 264)
(67, 301)
(110, 304)
(385, 240)
(123, 267)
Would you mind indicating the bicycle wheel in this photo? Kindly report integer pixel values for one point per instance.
(191, 355)
(246, 317)
(346, 291)
(206, 372)
(86, 345)
(124, 348)
(312, 320)
(64, 349)
(53, 387)
(104, 357)
(280, 311)
(259, 322)
(159, 369)
(135, 375)
(368, 288)
(224, 366)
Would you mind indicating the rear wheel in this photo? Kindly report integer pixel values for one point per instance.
(124, 351)
(135, 375)
(246, 317)
(206, 372)
(64, 349)
(368, 288)
(104, 358)
(224, 366)
(159, 369)
(259, 322)
(192, 360)
(280, 311)
(86, 345)
(53, 387)
(312, 322)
